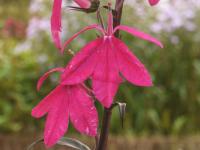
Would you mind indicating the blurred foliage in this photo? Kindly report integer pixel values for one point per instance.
(171, 106)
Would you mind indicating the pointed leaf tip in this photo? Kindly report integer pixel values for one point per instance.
(69, 142)
(73, 143)
(122, 111)
(31, 146)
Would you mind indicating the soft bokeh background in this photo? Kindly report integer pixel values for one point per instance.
(169, 112)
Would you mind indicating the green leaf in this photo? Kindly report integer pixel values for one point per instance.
(73, 143)
(30, 147)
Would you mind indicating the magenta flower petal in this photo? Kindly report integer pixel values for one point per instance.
(153, 2)
(106, 79)
(45, 76)
(83, 3)
(64, 102)
(139, 34)
(43, 107)
(95, 26)
(56, 22)
(58, 117)
(82, 64)
(83, 113)
(130, 67)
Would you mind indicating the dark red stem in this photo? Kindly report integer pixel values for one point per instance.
(102, 144)
(117, 15)
(104, 129)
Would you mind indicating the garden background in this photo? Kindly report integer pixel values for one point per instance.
(168, 112)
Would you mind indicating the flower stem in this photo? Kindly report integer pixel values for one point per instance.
(117, 15)
(102, 144)
(104, 129)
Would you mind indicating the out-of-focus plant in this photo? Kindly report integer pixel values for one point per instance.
(170, 107)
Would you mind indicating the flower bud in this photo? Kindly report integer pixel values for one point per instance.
(153, 2)
(83, 3)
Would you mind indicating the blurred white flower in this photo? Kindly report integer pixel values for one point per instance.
(36, 6)
(37, 25)
(172, 15)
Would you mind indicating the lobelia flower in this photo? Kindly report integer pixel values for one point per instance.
(86, 5)
(63, 103)
(153, 2)
(106, 60)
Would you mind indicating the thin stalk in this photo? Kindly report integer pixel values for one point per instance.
(118, 15)
(104, 129)
(102, 144)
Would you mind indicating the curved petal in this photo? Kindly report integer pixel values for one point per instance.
(130, 67)
(83, 3)
(83, 113)
(95, 26)
(56, 22)
(82, 64)
(139, 34)
(45, 76)
(45, 104)
(153, 2)
(58, 117)
(106, 79)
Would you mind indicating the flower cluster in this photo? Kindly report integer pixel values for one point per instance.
(105, 61)
(63, 103)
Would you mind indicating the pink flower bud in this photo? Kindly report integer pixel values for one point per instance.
(83, 3)
(153, 2)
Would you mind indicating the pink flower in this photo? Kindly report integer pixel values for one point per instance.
(56, 18)
(63, 103)
(106, 60)
(153, 2)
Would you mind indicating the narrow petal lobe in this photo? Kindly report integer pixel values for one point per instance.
(83, 113)
(139, 34)
(58, 117)
(46, 104)
(106, 79)
(56, 22)
(130, 67)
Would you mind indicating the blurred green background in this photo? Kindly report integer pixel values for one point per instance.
(170, 107)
